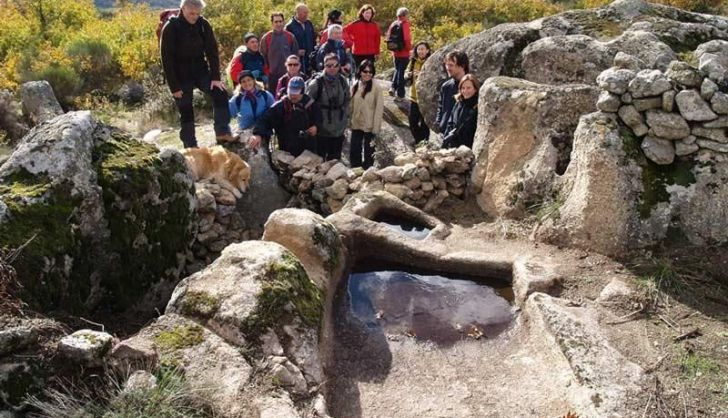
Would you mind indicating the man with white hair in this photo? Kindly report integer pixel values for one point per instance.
(399, 41)
(302, 28)
(190, 59)
(334, 45)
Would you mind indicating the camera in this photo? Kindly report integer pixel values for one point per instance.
(303, 135)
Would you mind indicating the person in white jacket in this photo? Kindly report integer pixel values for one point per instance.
(367, 108)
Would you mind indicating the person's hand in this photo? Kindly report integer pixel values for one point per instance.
(254, 142)
(301, 52)
(177, 94)
(217, 84)
(312, 131)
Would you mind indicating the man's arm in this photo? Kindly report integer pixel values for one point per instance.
(211, 53)
(167, 54)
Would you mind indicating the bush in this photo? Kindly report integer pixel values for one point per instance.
(65, 81)
(93, 62)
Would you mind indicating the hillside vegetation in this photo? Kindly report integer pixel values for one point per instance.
(84, 52)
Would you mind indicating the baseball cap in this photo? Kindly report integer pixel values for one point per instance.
(245, 73)
(295, 85)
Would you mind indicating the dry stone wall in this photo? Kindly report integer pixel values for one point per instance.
(676, 112)
(423, 179)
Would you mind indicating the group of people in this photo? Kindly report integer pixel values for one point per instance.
(302, 90)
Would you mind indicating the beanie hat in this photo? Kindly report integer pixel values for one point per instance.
(248, 36)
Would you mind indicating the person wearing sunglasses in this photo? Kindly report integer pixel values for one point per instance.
(293, 69)
(367, 109)
(277, 45)
(330, 90)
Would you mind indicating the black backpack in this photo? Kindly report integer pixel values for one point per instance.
(395, 41)
(312, 56)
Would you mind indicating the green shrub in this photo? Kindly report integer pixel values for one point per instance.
(65, 81)
(93, 61)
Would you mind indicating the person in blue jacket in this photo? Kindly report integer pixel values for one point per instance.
(302, 28)
(250, 103)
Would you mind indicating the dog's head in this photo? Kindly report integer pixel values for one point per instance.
(238, 172)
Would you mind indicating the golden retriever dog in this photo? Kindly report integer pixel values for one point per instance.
(225, 167)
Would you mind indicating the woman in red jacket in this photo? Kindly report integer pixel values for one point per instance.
(364, 34)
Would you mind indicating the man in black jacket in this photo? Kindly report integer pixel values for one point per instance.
(293, 118)
(190, 59)
(457, 65)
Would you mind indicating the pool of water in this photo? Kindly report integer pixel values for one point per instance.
(428, 306)
(403, 226)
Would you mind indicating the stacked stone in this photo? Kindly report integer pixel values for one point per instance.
(423, 179)
(677, 112)
(220, 224)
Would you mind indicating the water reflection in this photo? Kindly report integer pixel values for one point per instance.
(428, 307)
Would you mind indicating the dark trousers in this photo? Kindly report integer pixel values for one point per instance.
(220, 110)
(273, 82)
(358, 59)
(400, 65)
(417, 124)
(296, 144)
(361, 142)
(329, 148)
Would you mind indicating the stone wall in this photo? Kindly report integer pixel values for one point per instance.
(677, 112)
(423, 179)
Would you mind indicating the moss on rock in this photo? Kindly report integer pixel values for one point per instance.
(655, 178)
(41, 219)
(287, 291)
(179, 337)
(148, 211)
(327, 238)
(199, 305)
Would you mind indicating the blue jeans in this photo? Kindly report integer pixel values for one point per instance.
(400, 65)
(220, 109)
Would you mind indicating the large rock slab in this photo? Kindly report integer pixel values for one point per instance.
(604, 380)
(597, 191)
(212, 367)
(524, 140)
(106, 219)
(313, 240)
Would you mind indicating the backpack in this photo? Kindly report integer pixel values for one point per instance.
(312, 56)
(395, 41)
(289, 37)
(164, 17)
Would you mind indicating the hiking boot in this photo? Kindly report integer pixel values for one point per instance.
(221, 139)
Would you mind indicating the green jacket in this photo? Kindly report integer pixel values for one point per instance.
(333, 99)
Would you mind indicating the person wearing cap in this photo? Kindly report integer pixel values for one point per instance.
(305, 34)
(401, 57)
(277, 45)
(293, 69)
(331, 91)
(248, 57)
(293, 118)
(335, 17)
(190, 60)
(249, 103)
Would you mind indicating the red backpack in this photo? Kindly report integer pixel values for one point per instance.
(164, 16)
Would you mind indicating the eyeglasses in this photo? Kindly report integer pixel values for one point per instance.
(332, 65)
(366, 72)
(293, 64)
